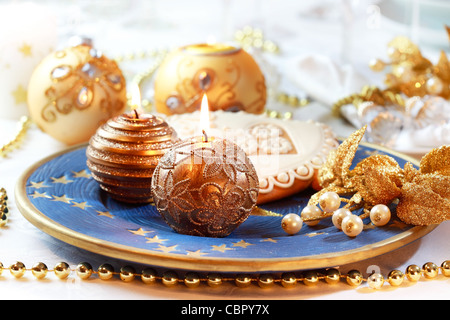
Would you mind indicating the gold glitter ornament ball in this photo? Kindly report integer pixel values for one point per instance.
(124, 152)
(229, 76)
(73, 91)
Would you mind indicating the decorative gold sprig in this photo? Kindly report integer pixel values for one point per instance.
(410, 74)
(423, 195)
(370, 94)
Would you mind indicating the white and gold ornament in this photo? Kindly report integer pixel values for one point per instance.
(75, 90)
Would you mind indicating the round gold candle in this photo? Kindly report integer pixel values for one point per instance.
(124, 152)
(205, 187)
(229, 75)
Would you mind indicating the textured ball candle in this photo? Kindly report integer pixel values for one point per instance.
(125, 151)
(205, 187)
(75, 90)
(230, 76)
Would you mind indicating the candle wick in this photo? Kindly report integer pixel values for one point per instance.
(136, 113)
(205, 136)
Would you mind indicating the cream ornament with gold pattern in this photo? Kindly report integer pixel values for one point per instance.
(74, 91)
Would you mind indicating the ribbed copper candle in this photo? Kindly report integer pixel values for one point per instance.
(124, 152)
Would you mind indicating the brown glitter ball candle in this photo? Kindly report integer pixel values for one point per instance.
(124, 152)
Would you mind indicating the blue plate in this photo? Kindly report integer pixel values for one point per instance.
(59, 196)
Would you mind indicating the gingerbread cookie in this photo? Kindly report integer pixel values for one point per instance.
(287, 154)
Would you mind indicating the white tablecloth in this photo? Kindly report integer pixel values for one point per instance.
(187, 22)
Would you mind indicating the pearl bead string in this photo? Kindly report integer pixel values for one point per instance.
(342, 218)
(354, 278)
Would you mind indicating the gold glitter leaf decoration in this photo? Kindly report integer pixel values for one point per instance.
(335, 172)
(420, 205)
(376, 187)
(423, 195)
(436, 161)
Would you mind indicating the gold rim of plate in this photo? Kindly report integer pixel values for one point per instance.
(177, 261)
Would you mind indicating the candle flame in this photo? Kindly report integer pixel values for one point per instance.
(135, 97)
(204, 115)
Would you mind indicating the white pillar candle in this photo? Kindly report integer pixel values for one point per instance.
(27, 34)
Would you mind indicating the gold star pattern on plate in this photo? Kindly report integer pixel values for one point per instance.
(25, 49)
(81, 174)
(242, 244)
(38, 185)
(197, 253)
(81, 205)
(222, 248)
(314, 234)
(139, 232)
(166, 249)
(269, 240)
(19, 94)
(62, 198)
(39, 195)
(155, 239)
(105, 214)
(61, 179)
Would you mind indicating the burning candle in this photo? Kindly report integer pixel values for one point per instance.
(229, 75)
(124, 152)
(205, 186)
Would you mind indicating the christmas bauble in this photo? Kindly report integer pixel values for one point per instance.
(75, 90)
(229, 76)
(124, 152)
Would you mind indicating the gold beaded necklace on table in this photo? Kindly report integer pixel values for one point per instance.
(331, 276)
(247, 37)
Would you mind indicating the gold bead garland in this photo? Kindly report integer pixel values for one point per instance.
(4, 211)
(24, 125)
(139, 79)
(369, 94)
(331, 276)
(249, 37)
